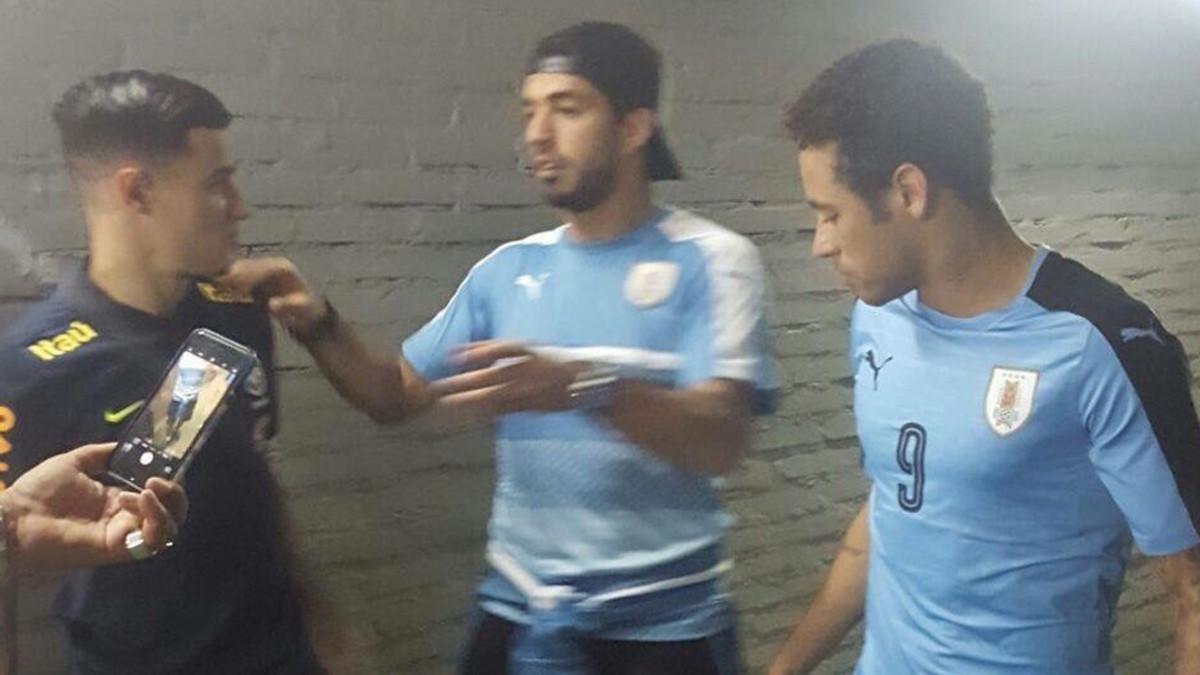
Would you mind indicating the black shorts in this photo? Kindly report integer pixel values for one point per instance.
(488, 646)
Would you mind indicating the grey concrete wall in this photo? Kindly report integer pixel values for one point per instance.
(376, 140)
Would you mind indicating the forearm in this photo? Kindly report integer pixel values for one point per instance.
(370, 378)
(835, 610)
(1187, 640)
(1181, 572)
(8, 593)
(705, 429)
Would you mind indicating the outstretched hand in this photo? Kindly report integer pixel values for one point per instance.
(504, 377)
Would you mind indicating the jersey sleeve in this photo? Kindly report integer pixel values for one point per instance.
(1137, 407)
(727, 335)
(30, 429)
(462, 320)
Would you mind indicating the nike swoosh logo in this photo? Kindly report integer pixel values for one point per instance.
(115, 416)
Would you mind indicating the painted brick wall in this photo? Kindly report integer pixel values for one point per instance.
(376, 140)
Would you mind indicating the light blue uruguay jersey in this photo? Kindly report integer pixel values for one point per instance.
(1012, 455)
(676, 301)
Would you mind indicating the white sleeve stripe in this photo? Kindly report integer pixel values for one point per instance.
(736, 281)
(627, 357)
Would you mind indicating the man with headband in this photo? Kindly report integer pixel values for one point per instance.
(619, 355)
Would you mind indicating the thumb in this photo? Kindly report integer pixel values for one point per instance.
(92, 459)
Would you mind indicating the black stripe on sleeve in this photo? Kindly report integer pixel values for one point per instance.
(1153, 360)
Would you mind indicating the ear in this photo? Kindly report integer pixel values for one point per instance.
(131, 185)
(636, 127)
(911, 187)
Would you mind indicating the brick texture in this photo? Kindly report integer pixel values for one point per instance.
(376, 140)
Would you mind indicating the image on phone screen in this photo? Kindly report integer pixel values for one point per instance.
(174, 417)
(179, 416)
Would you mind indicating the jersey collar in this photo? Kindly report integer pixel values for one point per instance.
(985, 321)
(77, 290)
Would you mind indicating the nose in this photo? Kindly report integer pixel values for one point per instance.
(538, 130)
(237, 205)
(823, 244)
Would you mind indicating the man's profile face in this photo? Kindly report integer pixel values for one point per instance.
(874, 257)
(571, 140)
(195, 208)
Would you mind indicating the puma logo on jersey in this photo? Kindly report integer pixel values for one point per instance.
(76, 335)
(875, 368)
(532, 285)
(1132, 333)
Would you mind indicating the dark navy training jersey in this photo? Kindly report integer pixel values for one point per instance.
(1013, 457)
(75, 370)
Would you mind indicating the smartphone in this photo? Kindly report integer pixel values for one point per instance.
(173, 424)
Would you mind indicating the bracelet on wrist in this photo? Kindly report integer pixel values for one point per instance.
(595, 387)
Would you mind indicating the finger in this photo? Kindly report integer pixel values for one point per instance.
(158, 527)
(172, 497)
(256, 274)
(296, 309)
(487, 401)
(252, 270)
(474, 380)
(130, 501)
(478, 354)
(92, 459)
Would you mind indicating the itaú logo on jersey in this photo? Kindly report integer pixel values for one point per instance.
(76, 335)
(1009, 401)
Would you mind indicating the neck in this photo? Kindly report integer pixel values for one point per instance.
(975, 262)
(628, 206)
(119, 267)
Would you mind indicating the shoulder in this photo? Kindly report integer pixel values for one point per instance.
(713, 257)
(1128, 326)
(716, 244)
(512, 255)
(1066, 285)
(46, 345)
(1121, 332)
(45, 356)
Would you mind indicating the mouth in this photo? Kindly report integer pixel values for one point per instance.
(546, 170)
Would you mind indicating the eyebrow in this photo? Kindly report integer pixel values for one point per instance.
(820, 206)
(556, 97)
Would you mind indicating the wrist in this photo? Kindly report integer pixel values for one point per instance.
(595, 387)
(320, 329)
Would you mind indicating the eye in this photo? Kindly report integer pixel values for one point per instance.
(829, 219)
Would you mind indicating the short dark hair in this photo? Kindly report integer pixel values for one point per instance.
(134, 112)
(895, 102)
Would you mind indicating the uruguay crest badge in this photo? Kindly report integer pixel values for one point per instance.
(1009, 399)
(650, 283)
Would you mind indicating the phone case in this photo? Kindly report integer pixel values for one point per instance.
(245, 364)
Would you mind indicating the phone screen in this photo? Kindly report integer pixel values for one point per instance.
(174, 419)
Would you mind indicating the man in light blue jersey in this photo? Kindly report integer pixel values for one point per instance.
(619, 355)
(1022, 420)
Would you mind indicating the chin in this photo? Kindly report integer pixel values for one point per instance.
(215, 269)
(877, 297)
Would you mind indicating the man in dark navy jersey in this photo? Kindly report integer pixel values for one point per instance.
(147, 153)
